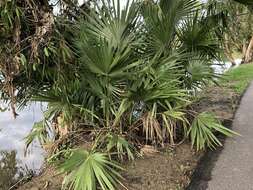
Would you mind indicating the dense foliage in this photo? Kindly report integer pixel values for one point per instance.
(115, 77)
(236, 20)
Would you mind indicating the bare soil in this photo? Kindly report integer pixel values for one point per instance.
(169, 169)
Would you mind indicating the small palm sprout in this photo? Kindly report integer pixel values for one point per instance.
(120, 145)
(203, 129)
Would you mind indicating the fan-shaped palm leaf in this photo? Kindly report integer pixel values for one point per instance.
(202, 131)
(85, 169)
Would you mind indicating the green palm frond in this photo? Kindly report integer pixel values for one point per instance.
(173, 120)
(159, 82)
(71, 100)
(161, 20)
(199, 73)
(180, 8)
(87, 169)
(196, 35)
(120, 145)
(106, 41)
(40, 132)
(203, 129)
(107, 58)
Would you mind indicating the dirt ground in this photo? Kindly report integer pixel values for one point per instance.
(170, 169)
(222, 101)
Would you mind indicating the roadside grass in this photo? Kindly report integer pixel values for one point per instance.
(238, 79)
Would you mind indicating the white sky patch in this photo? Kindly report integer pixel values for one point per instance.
(81, 2)
(13, 132)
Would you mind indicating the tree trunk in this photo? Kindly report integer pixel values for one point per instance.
(248, 54)
(228, 51)
(230, 58)
(244, 47)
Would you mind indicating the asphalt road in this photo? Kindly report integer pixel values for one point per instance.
(234, 167)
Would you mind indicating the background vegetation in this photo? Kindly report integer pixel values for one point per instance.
(239, 78)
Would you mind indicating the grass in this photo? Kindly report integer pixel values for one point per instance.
(238, 78)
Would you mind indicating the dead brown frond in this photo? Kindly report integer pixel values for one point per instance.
(151, 128)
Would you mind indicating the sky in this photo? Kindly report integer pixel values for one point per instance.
(122, 3)
(13, 131)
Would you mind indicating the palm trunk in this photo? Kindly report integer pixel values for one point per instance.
(248, 54)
